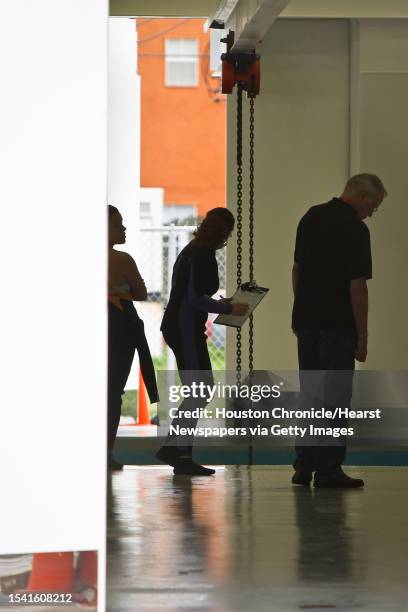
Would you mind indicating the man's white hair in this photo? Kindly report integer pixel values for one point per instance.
(366, 183)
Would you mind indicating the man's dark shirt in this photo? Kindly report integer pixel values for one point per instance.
(332, 248)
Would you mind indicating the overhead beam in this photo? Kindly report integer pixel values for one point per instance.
(340, 9)
(222, 14)
(347, 9)
(249, 20)
(162, 8)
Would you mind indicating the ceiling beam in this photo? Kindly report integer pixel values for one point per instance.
(347, 9)
(222, 14)
(162, 8)
(251, 20)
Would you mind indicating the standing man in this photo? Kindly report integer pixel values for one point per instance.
(331, 267)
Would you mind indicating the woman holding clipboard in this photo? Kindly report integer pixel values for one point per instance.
(194, 281)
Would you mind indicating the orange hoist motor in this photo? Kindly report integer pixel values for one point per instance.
(242, 67)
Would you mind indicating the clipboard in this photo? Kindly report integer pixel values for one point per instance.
(247, 294)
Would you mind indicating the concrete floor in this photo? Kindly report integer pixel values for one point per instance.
(246, 539)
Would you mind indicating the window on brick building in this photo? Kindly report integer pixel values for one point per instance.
(181, 66)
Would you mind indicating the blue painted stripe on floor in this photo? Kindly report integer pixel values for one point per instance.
(215, 457)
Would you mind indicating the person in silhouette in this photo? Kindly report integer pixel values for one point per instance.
(126, 329)
(194, 281)
(332, 264)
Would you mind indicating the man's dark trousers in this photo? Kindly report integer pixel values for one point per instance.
(332, 354)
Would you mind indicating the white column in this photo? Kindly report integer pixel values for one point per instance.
(53, 253)
(124, 137)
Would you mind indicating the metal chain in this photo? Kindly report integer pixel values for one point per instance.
(239, 219)
(251, 223)
(251, 188)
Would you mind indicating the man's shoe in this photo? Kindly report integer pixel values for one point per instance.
(188, 467)
(115, 466)
(169, 455)
(302, 477)
(338, 480)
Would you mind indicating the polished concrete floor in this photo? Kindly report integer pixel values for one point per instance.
(247, 540)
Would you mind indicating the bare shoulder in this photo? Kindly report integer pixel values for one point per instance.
(122, 257)
(127, 260)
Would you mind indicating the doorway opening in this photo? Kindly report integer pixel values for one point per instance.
(167, 164)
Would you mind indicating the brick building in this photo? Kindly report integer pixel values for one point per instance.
(183, 116)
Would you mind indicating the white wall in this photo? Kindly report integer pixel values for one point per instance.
(124, 127)
(333, 101)
(382, 136)
(301, 159)
(53, 253)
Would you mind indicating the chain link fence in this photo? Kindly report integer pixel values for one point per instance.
(157, 250)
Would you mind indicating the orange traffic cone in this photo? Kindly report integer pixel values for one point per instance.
(52, 573)
(143, 416)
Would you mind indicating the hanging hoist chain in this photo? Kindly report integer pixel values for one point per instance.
(239, 219)
(243, 70)
(251, 223)
(252, 281)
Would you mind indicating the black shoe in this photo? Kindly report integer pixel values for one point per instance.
(169, 455)
(113, 465)
(338, 480)
(188, 467)
(302, 477)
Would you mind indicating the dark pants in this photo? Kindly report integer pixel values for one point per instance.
(194, 365)
(126, 334)
(330, 354)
